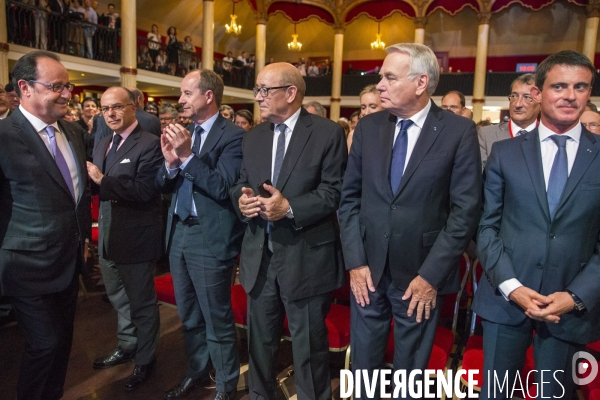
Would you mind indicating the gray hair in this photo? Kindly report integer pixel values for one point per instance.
(226, 107)
(422, 61)
(169, 110)
(321, 111)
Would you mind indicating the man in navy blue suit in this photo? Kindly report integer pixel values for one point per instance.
(410, 205)
(538, 238)
(202, 162)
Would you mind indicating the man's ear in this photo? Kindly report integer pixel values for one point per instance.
(422, 81)
(536, 94)
(210, 96)
(24, 87)
(291, 93)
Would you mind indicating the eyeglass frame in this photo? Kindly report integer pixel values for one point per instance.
(514, 97)
(168, 118)
(452, 107)
(587, 125)
(257, 90)
(53, 86)
(115, 107)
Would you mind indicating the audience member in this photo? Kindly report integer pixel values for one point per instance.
(228, 61)
(161, 62)
(523, 111)
(280, 252)
(301, 66)
(144, 60)
(326, 69)
(186, 56)
(75, 38)
(402, 237)
(244, 119)
(591, 107)
(316, 108)
(454, 101)
(173, 47)
(226, 112)
(313, 70)
(203, 234)
(40, 20)
(89, 29)
(151, 108)
(591, 121)
(129, 203)
(538, 238)
(13, 98)
(344, 125)
(271, 61)
(5, 110)
(183, 119)
(154, 42)
(167, 115)
(58, 38)
(44, 223)
(370, 102)
(108, 46)
(88, 111)
(354, 119)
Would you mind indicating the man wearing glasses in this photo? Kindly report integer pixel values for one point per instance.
(130, 231)
(591, 121)
(167, 115)
(523, 112)
(291, 254)
(44, 222)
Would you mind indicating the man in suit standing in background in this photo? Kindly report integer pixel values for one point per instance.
(523, 111)
(410, 205)
(291, 258)
(203, 232)
(538, 238)
(44, 222)
(130, 231)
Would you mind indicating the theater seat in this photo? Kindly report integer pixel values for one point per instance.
(165, 292)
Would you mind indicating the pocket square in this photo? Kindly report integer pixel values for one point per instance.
(125, 161)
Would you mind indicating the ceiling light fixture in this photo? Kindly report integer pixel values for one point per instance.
(295, 44)
(378, 44)
(233, 27)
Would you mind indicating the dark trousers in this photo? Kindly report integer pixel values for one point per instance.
(47, 325)
(371, 329)
(203, 294)
(504, 349)
(267, 307)
(130, 289)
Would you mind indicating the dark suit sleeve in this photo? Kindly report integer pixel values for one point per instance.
(482, 147)
(216, 182)
(315, 205)
(465, 210)
(139, 188)
(585, 284)
(242, 182)
(352, 242)
(490, 248)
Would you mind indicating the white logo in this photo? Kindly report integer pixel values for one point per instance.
(580, 369)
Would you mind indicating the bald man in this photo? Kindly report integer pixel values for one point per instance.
(591, 121)
(291, 255)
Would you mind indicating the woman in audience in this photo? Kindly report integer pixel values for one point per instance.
(186, 57)
(154, 41)
(173, 47)
(244, 118)
(151, 108)
(89, 109)
(76, 18)
(40, 20)
(161, 62)
(369, 103)
(144, 60)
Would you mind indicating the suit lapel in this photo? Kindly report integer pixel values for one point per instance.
(36, 145)
(78, 156)
(300, 135)
(533, 158)
(265, 143)
(386, 143)
(431, 129)
(212, 138)
(586, 152)
(129, 143)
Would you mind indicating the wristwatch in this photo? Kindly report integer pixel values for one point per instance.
(579, 306)
(289, 214)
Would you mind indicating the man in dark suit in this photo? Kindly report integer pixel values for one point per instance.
(203, 232)
(291, 255)
(523, 111)
(44, 220)
(57, 20)
(538, 236)
(410, 205)
(148, 122)
(130, 231)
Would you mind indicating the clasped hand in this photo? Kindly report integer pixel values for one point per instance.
(542, 308)
(272, 208)
(176, 145)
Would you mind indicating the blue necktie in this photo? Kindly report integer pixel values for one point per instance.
(113, 150)
(60, 160)
(558, 174)
(521, 132)
(399, 155)
(184, 193)
(279, 155)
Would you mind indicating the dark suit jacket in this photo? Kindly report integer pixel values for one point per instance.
(517, 239)
(130, 227)
(427, 225)
(488, 135)
(306, 250)
(41, 225)
(213, 172)
(148, 122)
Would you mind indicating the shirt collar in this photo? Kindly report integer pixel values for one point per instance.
(516, 128)
(291, 121)
(545, 132)
(208, 124)
(125, 134)
(419, 118)
(37, 123)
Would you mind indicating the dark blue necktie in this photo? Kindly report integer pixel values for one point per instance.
(113, 150)
(279, 155)
(184, 193)
(60, 159)
(558, 174)
(399, 155)
(521, 132)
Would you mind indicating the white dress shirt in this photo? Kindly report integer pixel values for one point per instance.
(514, 128)
(414, 131)
(548, 149)
(61, 142)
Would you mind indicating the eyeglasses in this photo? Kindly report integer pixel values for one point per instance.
(590, 126)
(264, 91)
(116, 108)
(453, 108)
(515, 97)
(56, 87)
(166, 119)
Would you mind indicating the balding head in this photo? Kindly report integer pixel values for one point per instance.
(285, 88)
(138, 95)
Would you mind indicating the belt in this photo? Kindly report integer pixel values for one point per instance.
(190, 221)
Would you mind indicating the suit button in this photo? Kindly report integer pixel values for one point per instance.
(260, 246)
(385, 235)
(540, 266)
(76, 234)
(552, 236)
(394, 207)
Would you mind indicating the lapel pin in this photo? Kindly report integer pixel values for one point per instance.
(589, 150)
(435, 128)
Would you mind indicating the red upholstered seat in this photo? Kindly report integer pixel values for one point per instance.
(591, 391)
(94, 239)
(164, 289)
(594, 346)
(338, 326)
(239, 304)
(442, 347)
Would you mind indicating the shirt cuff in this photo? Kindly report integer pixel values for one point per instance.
(171, 172)
(182, 166)
(508, 286)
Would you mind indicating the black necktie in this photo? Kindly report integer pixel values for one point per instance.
(113, 150)
(184, 193)
(558, 174)
(279, 153)
(399, 155)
